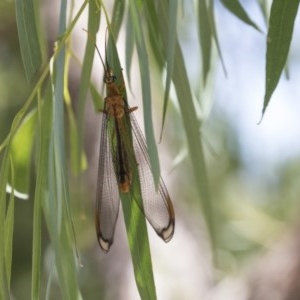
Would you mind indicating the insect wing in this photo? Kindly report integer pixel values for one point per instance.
(156, 204)
(107, 198)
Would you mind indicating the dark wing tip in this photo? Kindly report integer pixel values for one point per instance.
(167, 233)
(104, 243)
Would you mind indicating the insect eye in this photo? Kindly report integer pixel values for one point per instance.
(109, 78)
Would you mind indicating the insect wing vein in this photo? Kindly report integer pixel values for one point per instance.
(107, 198)
(156, 204)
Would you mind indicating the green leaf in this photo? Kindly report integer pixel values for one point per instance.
(237, 9)
(28, 37)
(281, 26)
(57, 208)
(4, 284)
(214, 33)
(76, 154)
(172, 35)
(97, 98)
(154, 33)
(205, 36)
(263, 5)
(93, 26)
(9, 229)
(193, 134)
(21, 151)
(139, 247)
(146, 90)
(117, 17)
(191, 124)
(4, 171)
(43, 140)
(129, 49)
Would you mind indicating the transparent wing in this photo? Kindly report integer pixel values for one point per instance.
(107, 197)
(157, 205)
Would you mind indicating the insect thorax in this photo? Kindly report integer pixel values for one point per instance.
(115, 106)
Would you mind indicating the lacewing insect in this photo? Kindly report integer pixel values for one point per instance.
(124, 168)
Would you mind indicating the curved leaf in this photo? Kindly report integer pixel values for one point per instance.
(281, 26)
(237, 9)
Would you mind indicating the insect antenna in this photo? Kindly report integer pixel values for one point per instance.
(106, 70)
(106, 61)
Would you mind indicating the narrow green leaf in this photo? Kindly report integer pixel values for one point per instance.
(281, 26)
(154, 34)
(213, 29)
(4, 284)
(264, 9)
(129, 49)
(50, 279)
(193, 134)
(75, 152)
(97, 98)
(93, 26)
(139, 247)
(117, 17)
(58, 138)
(21, 151)
(43, 139)
(77, 157)
(60, 223)
(172, 35)
(146, 90)
(28, 37)
(205, 37)
(9, 228)
(237, 9)
(191, 125)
